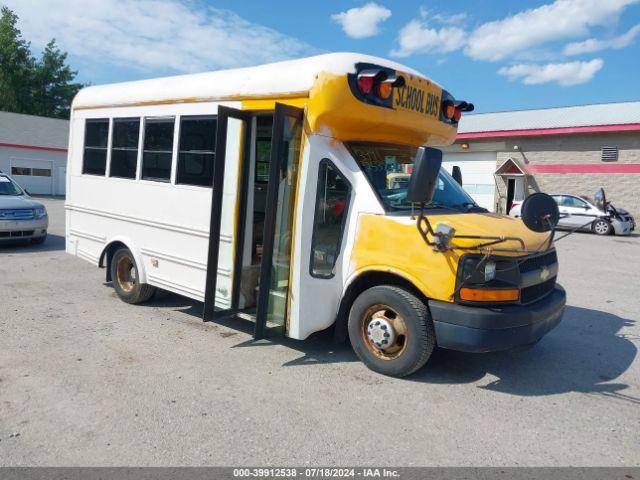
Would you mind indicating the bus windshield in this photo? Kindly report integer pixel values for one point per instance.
(388, 168)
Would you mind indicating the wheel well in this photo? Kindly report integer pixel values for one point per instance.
(107, 254)
(360, 284)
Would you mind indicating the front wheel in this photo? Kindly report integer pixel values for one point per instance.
(601, 227)
(391, 330)
(39, 240)
(124, 275)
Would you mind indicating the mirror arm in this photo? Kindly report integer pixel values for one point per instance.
(551, 237)
(490, 241)
(429, 230)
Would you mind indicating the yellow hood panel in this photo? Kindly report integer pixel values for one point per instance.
(394, 245)
(494, 225)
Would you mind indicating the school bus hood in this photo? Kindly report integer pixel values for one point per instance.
(393, 244)
(491, 225)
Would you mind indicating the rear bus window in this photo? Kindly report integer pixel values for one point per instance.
(332, 204)
(124, 147)
(196, 150)
(158, 149)
(96, 134)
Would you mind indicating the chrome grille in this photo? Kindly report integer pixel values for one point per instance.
(539, 261)
(533, 293)
(17, 214)
(16, 234)
(536, 292)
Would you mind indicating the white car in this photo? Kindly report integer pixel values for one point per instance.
(578, 212)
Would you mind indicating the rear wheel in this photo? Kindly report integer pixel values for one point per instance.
(124, 275)
(601, 227)
(391, 330)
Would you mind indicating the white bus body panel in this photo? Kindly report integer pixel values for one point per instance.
(315, 301)
(165, 226)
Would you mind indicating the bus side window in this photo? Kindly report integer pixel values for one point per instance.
(197, 150)
(332, 204)
(96, 134)
(124, 147)
(158, 149)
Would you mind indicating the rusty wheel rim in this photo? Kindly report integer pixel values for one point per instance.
(126, 274)
(374, 319)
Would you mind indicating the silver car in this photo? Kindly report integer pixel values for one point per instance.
(580, 212)
(21, 217)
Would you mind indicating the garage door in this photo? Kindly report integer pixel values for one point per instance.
(36, 176)
(477, 175)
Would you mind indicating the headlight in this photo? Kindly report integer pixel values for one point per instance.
(488, 280)
(489, 271)
(40, 212)
(496, 272)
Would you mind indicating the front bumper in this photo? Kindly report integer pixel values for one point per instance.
(623, 227)
(23, 229)
(491, 329)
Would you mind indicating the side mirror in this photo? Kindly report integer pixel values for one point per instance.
(600, 199)
(456, 173)
(424, 177)
(540, 212)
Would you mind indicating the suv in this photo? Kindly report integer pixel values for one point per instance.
(578, 212)
(21, 217)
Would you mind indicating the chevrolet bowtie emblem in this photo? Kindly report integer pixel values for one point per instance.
(544, 273)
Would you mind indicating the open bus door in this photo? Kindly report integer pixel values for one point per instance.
(233, 139)
(226, 239)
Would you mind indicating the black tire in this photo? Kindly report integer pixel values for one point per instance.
(413, 350)
(601, 227)
(39, 240)
(124, 275)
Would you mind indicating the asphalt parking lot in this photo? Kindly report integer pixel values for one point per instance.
(86, 379)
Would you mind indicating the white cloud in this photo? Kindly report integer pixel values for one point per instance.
(362, 22)
(417, 37)
(154, 35)
(594, 45)
(456, 18)
(561, 19)
(565, 74)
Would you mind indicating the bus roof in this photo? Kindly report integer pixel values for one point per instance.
(291, 78)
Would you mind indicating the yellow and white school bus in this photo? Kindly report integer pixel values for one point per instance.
(267, 193)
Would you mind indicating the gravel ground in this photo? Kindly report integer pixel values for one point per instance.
(86, 379)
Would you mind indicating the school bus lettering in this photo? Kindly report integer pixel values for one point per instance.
(414, 98)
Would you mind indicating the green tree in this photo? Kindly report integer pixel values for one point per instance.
(16, 65)
(37, 87)
(53, 89)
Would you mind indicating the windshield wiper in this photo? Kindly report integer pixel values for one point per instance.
(443, 206)
(471, 206)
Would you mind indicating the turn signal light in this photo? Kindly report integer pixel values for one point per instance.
(452, 109)
(449, 110)
(485, 295)
(384, 90)
(379, 81)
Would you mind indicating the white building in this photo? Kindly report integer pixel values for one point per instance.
(33, 150)
(506, 155)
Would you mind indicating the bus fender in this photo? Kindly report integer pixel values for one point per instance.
(114, 244)
(363, 279)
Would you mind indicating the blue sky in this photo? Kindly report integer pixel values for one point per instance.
(499, 54)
